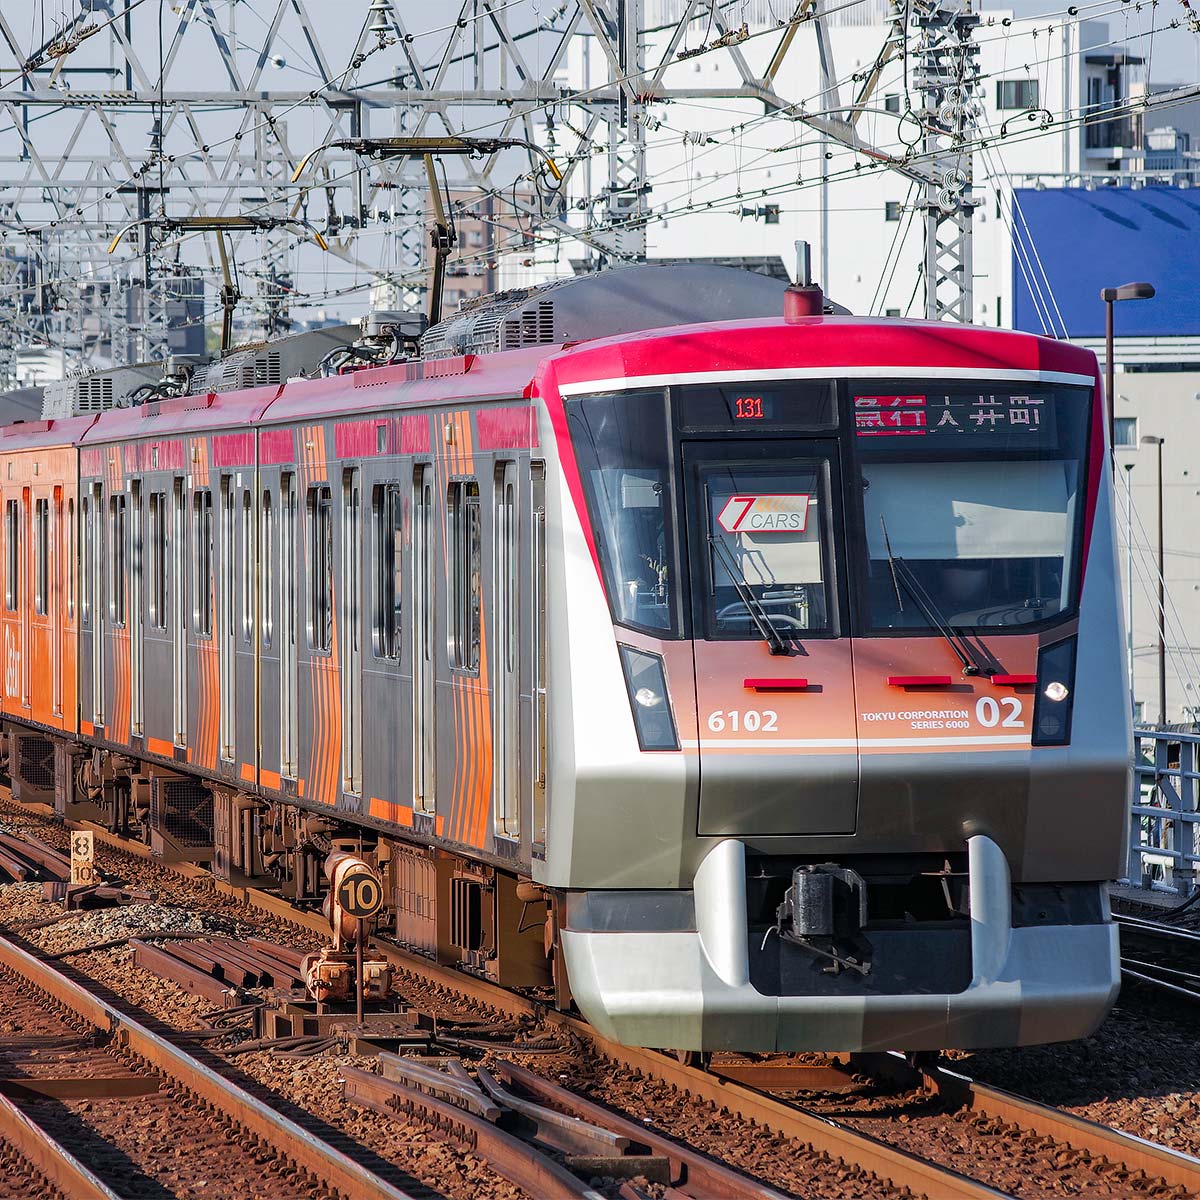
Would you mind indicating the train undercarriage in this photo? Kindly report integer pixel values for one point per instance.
(456, 911)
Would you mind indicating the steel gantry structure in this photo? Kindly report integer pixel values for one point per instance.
(109, 119)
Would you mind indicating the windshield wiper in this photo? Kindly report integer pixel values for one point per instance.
(758, 614)
(902, 572)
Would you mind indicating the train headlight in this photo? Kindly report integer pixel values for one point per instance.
(646, 683)
(1053, 705)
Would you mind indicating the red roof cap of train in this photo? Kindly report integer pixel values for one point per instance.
(834, 342)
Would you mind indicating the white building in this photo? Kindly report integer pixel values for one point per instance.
(1161, 404)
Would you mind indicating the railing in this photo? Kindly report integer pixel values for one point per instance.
(1164, 838)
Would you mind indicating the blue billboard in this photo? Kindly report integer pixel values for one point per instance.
(1090, 239)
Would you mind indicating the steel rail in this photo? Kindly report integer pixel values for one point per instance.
(1163, 985)
(1101, 1141)
(509, 1156)
(1144, 926)
(1162, 938)
(60, 1167)
(695, 1174)
(282, 1135)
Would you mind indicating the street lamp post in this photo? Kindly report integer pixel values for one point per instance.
(1129, 639)
(1162, 590)
(1127, 291)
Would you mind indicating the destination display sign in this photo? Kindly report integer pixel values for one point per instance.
(1011, 418)
(772, 513)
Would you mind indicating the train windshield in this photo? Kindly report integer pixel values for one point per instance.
(962, 502)
(973, 497)
(625, 459)
(764, 540)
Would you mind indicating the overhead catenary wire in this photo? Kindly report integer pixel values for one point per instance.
(557, 237)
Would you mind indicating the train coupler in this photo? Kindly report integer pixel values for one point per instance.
(824, 912)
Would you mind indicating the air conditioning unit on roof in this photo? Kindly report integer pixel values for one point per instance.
(269, 364)
(91, 392)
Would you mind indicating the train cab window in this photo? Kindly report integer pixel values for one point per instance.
(116, 559)
(202, 563)
(319, 516)
(465, 567)
(972, 500)
(624, 456)
(41, 590)
(158, 560)
(12, 546)
(766, 544)
(387, 513)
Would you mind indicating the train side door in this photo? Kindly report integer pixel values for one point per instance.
(137, 609)
(774, 673)
(537, 551)
(179, 611)
(506, 696)
(59, 539)
(352, 572)
(25, 594)
(289, 597)
(424, 626)
(226, 604)
(97, 604)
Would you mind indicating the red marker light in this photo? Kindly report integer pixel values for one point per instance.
(775, 685)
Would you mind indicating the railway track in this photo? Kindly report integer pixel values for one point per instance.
(33, 1164)
(1071, 1135)
(1160, 956)
(82, 1072)
(753, 1092)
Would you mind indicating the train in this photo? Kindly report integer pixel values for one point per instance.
(674, 644)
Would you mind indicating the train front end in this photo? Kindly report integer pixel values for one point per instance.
(841, 738)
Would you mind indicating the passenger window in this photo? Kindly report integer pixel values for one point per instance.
(202, 563)
(266, 567)
(85, 558)
(320, 568)
(41, 595)
(158, 560)
(116, 558)
(466, 585)
(247, 566)
(12, 536)
(70, 559)
(388, 513)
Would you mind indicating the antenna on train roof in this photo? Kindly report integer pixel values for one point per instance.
(804, 298)
(442, 236)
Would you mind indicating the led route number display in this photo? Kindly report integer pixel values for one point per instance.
(975, 418)
(750, 408)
